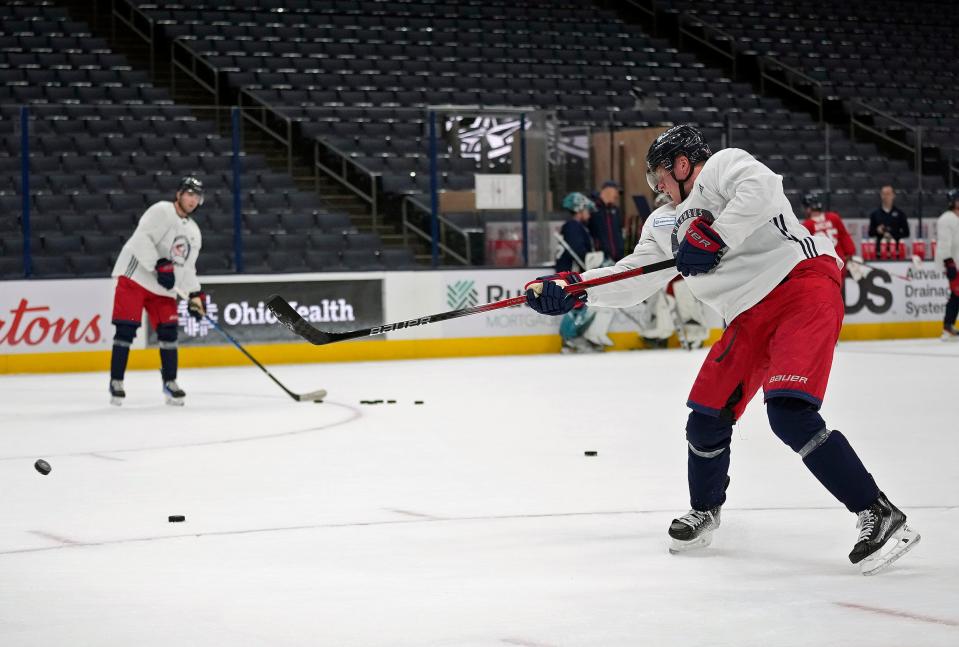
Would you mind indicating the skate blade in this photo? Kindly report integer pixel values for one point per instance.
(115, 401)
(679, 546)
(174, 402)
(900, 543)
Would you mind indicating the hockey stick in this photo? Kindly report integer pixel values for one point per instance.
(312, 396)
(289, 317)
(579, 261)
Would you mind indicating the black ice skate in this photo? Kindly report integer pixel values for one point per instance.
(174, 394)
(116, 392)
(693, 530)
(949, 333)
(884, 537)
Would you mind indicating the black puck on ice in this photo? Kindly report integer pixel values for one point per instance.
(42, 466)
(391, 402)
(417, 402)
(174, 518)
(590, 453)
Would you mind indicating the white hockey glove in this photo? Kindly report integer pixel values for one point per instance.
(857, 268)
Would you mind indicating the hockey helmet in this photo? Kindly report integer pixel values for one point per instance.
(576, 202)
(193, 185)
(812, 200)
(684, 139)
(951, 196)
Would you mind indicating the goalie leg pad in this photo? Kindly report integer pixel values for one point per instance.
(708, 438)
(825, 452)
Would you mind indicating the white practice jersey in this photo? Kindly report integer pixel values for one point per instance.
(753, 217)
(947, 234)
(161, 233)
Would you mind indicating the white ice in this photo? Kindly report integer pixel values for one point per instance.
(473, 519)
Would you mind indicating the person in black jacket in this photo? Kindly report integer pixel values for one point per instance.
(888, 222)
(606, 223)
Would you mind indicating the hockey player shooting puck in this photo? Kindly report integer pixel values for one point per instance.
(590, 453)
(175, 518)
(42, 466)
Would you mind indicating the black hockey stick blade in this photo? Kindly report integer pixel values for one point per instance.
(289, 317)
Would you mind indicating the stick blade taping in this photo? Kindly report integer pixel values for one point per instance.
(312, 396)
(290, 318)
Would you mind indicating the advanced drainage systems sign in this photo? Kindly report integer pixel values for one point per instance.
(898, 292)
(240, 308)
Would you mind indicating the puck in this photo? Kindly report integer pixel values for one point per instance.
(174, 518)
(42, 466)
(391, 402)
(417, 402)
(590, 453)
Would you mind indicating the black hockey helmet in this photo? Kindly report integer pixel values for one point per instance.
(684, 139)
(951, 196)
(192, 184)
(812, 200)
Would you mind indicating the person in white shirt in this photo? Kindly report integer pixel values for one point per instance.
(158, 260)
(947, 251)
(734, 236)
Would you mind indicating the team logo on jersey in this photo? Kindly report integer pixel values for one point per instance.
(705, 214)
(180, 250)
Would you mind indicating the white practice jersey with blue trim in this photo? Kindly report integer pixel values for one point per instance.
(161, 233)
(755, 220)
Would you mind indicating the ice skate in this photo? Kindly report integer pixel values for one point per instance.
(580, 345)
(173, 393)
(116, 392)
(693, 530)
(949, 334)
(884, 537)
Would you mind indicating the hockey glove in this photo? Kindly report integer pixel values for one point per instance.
(950, 269)
(165, 276)
(701, 249)
(196, 306)
(857, 268)
(546, 296)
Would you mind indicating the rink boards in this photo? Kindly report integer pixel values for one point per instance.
(64, 325)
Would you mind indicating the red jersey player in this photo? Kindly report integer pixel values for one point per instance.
(830, 225)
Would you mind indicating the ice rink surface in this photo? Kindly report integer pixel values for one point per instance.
(473, 519)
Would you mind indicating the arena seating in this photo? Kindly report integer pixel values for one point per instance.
(911, 75)
(105, 143)
(358, 76)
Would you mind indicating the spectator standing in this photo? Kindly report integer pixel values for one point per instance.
(888, 222)
(606, 223)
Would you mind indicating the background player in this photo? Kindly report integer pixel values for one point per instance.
(159, 257)
(830, 225)
(947, 251)
(746, 255)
